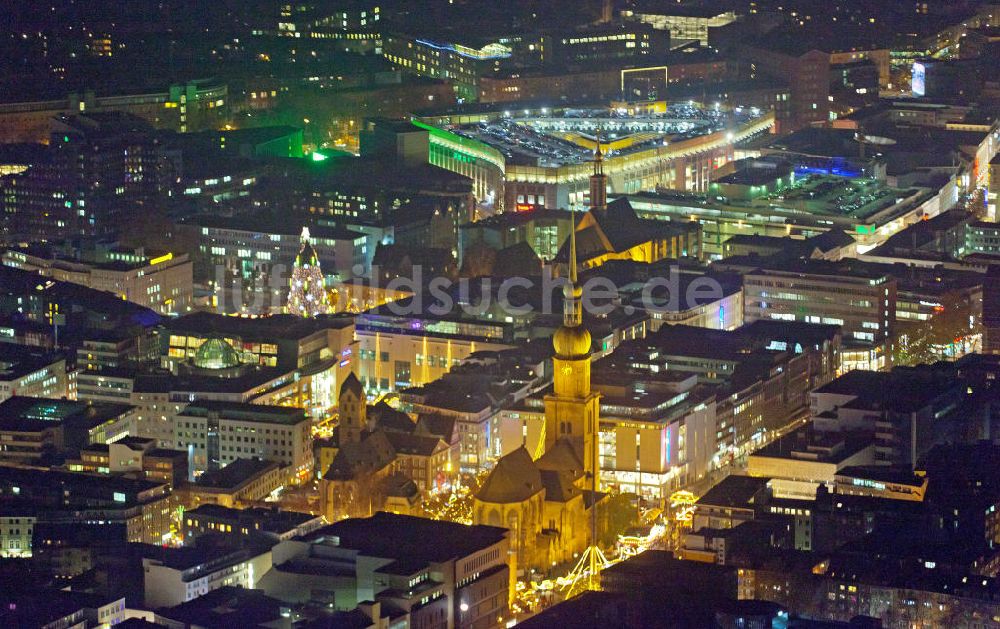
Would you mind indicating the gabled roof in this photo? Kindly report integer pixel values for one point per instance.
(387, 418)
(394, 256)
(621, 225)
(419, 445)
(365, 457)
(561, 457)
(517, 258)
(351, 383)
(615, 229)
(438, 425)
(559, 485)
(830, 240)
(514, 479)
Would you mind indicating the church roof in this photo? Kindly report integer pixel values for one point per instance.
(830, 240)
(559, 485)
(387, 418)
(399, 485)
(514, 479)
(561, 457)
(517, 259)
(351, 383)
(614, 229)
(419, 445)
(366, 457)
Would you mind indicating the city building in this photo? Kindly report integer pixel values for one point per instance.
(182, 107)
(542, 157)
(902, 424)
(674, 296)
(249, 264)
(241, 483)
(216, 434)
(16, 531)
(684, 22)
(613, 43)
(52, 303)
(273, 523)
(807, 73)
(31, 372)
(376, 453)
(98, 170)
(542, 229)
(134, 457)
(472, 397)
(982, 237)
(282, 341)
(730, 503)
(615, 232)
(862, 300)
(801, 461)
(50, 607)
(231, 606)
(160, 397)
(813, 204)
(462, 63)
(545, 500)
(463, 579)
(38, 429)
(398, 351)
(110, 507)
(172, 576)
(161, 281)
(278, 360)
(637, 82)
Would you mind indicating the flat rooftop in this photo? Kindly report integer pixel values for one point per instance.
(17, 361)
(269, 329)
(235, 474)
(274, 520)
(812, 198)
(288, 415)
(35, 414)
(733, 491)
(900, 390)
(395, 536)
(814, 447)
(568, 136)
(884, 473)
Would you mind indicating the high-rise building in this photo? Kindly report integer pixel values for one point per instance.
(807, 72)
(98, 173)
(861, 300)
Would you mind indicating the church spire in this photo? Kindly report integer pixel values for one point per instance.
(572, 293)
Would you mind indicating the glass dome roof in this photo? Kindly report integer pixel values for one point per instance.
(216, 354)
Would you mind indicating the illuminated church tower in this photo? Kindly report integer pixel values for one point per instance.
(571, 411)
(598, 181)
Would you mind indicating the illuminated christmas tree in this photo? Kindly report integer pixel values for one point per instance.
(307, 289)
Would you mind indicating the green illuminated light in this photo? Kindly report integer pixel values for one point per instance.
(318, 157)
